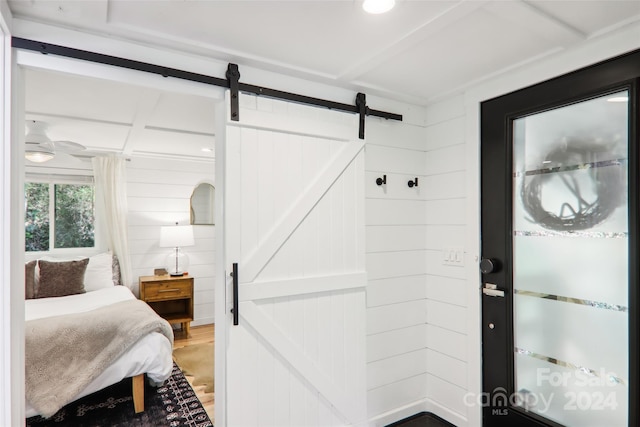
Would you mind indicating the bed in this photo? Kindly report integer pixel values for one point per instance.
(136, 342)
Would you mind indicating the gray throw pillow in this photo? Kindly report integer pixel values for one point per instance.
(58, 279)
(30, 279)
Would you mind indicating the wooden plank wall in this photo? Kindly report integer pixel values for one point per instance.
(158, 193)
(416, 302)
(446, 290)
(396, 246)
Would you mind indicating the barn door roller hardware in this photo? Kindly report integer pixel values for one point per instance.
(233, 76)
(363, 110)
(231, 81)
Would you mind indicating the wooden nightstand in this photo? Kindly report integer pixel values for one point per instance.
(171, 297)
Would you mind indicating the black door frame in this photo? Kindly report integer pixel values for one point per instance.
(497, 115)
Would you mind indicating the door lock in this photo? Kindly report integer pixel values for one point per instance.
(488, 265)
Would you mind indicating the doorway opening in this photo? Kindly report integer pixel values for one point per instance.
(164, 129)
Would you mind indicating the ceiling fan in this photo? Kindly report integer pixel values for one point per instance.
(40, 148)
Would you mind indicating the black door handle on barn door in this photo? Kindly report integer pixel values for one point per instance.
(234, 309)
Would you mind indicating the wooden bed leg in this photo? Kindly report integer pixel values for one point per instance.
(138, 393)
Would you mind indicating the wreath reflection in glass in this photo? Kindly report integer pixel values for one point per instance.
(594, 186)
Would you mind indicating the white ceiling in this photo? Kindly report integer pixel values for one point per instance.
(419, 52)
(113, 117)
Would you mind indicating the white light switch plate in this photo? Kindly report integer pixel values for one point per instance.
(453, 256)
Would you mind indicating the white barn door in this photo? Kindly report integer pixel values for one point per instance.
(294, 224)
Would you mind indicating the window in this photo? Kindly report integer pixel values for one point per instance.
(59, 216)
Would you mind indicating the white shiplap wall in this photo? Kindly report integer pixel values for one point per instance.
(158, 193)
(454, 345)
(446, 282)
(396, 267)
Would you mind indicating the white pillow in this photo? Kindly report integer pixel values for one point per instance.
(98, 274)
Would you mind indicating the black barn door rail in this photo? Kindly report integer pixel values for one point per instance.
(231, 81)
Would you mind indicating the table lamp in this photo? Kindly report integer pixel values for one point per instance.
(176, 236)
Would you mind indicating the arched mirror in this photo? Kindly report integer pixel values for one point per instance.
(202, 202)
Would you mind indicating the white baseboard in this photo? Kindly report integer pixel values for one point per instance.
(203, 321)
(446, 414)
(398, 414)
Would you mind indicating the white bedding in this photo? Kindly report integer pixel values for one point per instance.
(150, 355)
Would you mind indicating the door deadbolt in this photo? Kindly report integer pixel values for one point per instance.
(488, 265)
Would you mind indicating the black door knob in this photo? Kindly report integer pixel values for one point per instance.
(488, 265)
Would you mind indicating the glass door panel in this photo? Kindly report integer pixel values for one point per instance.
(570, 262)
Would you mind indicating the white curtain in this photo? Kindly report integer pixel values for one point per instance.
(111, 203)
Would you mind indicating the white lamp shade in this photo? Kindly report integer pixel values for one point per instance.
(176, 236)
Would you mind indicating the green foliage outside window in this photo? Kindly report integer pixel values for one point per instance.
(74, 216)
(36, 222)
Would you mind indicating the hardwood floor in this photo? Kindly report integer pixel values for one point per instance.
(197, 335)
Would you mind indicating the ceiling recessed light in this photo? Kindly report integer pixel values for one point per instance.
(378, 6)
(207, 150)
(618, 99)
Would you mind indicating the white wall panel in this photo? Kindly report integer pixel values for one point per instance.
(447, 316)
(155, 204)
(447, 394)
(168, 191)
(158, 193)
(447, 341)
(396, 289)
(450, 185)
(387, 238)
(447, 289)
(392, 369)
(395, 212)
(448, 109)
(396, 395)
(450, 212)
(385, 132)
(399, 160)
(396, 342)
(440, 236)
(446, 286)
(444, 134)
(149, 175)
(396, 316)
(445, 159)
(396, 265)
(382, 265)
(446, 367)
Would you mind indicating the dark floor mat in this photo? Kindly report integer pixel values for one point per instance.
(423, 419)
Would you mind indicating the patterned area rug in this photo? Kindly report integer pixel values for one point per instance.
(173, 404)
